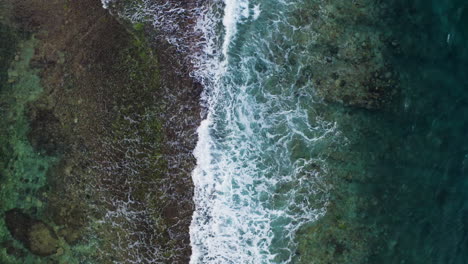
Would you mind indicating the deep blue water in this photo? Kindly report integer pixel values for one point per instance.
(423, 170)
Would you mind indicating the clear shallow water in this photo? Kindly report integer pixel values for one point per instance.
(22, 169)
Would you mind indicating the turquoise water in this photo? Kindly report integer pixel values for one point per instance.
(260, 164)
(263, 137)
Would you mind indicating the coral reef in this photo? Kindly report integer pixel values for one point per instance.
(351, 70)
(348, 53)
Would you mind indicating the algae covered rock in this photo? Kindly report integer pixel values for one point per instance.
(42, 240)
(35, 235)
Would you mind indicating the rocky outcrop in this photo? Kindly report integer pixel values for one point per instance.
(35, 235)
(348, 49)
(117, 123)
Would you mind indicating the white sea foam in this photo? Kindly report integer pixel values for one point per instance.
(105, 3)
(250, 195)
(256, 12)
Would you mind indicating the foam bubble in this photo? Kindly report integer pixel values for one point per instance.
(256, 12)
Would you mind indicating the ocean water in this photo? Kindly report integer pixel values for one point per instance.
(255, 180)
(424, 181)
(259, 171)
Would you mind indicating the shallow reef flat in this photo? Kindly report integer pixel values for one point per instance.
(348, 46)
(93, 170)
(351, 67)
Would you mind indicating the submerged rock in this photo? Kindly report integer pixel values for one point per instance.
(35, 235)
(45, 134)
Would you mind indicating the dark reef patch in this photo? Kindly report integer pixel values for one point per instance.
(39, 238)
(44, 134)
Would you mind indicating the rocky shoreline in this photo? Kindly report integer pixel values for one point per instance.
(117, 187)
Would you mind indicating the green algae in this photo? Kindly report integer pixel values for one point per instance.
(8, 44)
(138, 130)
(63, 192)
(28, 166)
(23, 169)
(138, 26)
